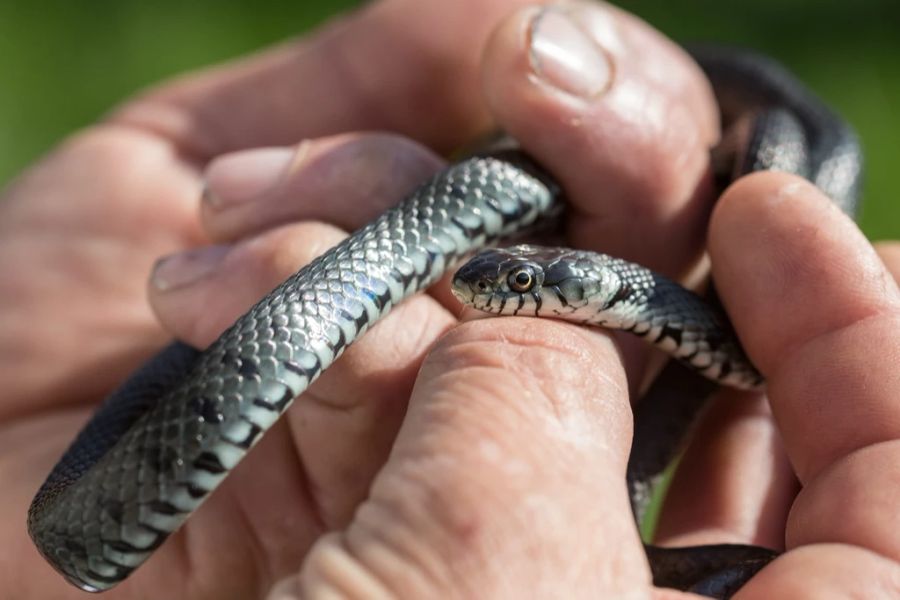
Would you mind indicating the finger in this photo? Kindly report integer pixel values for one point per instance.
(344, 425)
(734, 483)
(825, 571)
(621, 115)
(392, 65)
(79, 230)
(198, 293)
(511, 456)
(817, 312)
(345, 180)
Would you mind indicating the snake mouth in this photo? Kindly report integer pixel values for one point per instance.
(462, 291)
(476, 293)
(475, 279)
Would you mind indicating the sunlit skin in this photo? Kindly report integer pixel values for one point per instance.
(438, 453)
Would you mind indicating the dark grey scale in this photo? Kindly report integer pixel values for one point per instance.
(521, 304)
(641, 328)
(210, 463)
(668, 331)
(503, 300)
(559, 295)
(195, 491)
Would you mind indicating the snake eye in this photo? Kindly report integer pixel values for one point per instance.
(521, 280)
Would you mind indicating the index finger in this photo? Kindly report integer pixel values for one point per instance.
(818, 313)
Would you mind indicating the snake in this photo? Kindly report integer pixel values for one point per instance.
(162, 442)
(604, 291)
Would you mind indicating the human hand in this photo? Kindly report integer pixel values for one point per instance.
(815, 306)
(450, 510)
(87, 223)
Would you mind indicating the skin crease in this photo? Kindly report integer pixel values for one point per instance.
(477, 476)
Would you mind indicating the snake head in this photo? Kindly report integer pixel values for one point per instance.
(535, 281)
(502, 281)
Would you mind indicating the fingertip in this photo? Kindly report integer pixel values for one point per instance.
(345, 180)
(789, 264)
(816, 310)
(239, 177)
(748, 199)
(563, 55)
(196, 294)
(545, 51)
(185, 268)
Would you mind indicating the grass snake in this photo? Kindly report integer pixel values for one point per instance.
(162, 442)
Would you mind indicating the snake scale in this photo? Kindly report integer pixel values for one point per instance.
(161, 443)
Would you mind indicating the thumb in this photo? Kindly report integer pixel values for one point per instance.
(506, 479)
(621, 115)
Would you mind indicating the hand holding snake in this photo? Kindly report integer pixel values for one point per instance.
(582, 477)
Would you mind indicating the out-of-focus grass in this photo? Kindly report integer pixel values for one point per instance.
(63, 64)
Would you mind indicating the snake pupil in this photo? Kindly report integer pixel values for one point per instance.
(521, 280)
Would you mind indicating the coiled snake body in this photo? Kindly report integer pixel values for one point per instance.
(161, 443)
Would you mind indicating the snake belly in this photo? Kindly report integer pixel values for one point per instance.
(149, 457)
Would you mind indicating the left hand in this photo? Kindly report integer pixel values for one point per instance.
(81, 229)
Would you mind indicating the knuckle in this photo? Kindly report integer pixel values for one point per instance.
(557, 364)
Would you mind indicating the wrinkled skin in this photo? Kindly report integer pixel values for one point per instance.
(450, 458)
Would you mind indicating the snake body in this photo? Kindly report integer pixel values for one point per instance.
(160, 444)
(148, 459)
(604, 291)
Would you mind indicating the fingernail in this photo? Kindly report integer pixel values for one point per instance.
(243, 176)
(565, 56)
(182, 269)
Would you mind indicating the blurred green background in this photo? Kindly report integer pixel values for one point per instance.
(63, 64)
